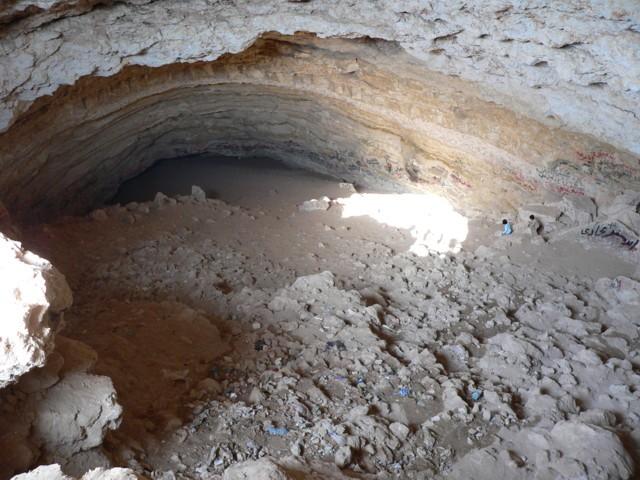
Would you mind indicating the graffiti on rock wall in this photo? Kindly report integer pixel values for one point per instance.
(459, 180)
(592, 167)
(562, 176)
(613, 229)
(606, 166)
(523, 180)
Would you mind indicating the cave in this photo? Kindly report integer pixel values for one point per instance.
(312, 239)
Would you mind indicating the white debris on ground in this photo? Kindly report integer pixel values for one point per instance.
(273, 344)
(315, 204)
(54, 472)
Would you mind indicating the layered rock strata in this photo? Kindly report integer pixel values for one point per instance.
(486, 103)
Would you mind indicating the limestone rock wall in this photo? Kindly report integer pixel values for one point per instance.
(582, 57)
(531, 96)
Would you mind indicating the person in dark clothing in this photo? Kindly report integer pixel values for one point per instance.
(534, 225)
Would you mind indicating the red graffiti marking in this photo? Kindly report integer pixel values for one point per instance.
(460, 181)
(566, 190)
(590, 157)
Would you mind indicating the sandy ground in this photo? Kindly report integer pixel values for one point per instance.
(240, 326)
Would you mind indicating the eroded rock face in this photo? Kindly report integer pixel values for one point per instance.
(485, 102)
(31, 289)
(584, 52)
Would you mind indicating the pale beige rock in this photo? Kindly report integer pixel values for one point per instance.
(569, 450)
(521, 101)
(30, 288)
(263, 469)
(315, 204)
(111, 474)
(77, 356)
(42, 378)
(198, 193)
(41, 418)
(551, 66)
(54, 472)
(75, 414)
(578, 208)
(45, 472)
(343, 456)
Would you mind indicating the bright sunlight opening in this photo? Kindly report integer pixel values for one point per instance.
(431, 219)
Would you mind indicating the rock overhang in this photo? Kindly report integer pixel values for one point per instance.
(408, 98)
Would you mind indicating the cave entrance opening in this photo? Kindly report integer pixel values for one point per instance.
(271, 186)
(246, 182)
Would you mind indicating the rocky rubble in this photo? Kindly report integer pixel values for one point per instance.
(615, 226)
(50, 407)
(439, 366)
(58, 413)
(53, 472)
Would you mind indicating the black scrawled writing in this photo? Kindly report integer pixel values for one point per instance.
(609, 230)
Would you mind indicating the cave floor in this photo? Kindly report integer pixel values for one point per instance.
(241, 326)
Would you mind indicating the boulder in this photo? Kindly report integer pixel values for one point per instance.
(31, 289)
(58, 413)
(198, 194)
(579, 208)
(263, 469)
(54, 472)
(569, 450)
(315, 204)
(547, 215)
(75, 414)
(45, 472)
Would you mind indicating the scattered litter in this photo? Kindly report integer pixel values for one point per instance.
(277, 431)
(399, 337)
(404, 391)
(338, 344)
(475, 395)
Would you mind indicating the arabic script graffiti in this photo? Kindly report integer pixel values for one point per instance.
(608, 230)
